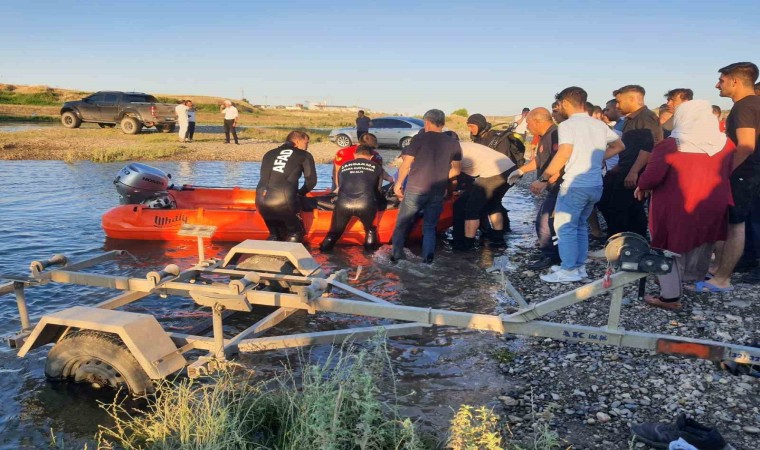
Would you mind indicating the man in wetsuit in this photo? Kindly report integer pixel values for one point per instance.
(346, 154)
(486, 172)
(359, 188)
(277, 192)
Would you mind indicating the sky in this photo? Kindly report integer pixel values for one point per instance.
(492, 57)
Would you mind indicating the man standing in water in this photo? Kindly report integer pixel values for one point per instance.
(277, 192)
(429, 162)
(359, 189)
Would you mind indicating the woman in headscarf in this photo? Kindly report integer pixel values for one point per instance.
(687, 176)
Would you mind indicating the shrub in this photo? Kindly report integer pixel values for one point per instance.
(330, 405)
(461, 112)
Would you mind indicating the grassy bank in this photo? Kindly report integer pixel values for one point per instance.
(110, 145)
(38, 104)
(348, 401)
(30, 118)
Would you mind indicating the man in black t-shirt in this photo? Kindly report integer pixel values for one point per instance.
(743, 128)
(358, 192)
(540, 124)
(277, 192)
(429, 162)
(641, 132)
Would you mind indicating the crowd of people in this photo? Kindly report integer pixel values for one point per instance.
(683, 177)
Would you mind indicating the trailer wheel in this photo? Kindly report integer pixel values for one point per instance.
(100, 359)
(130, 125)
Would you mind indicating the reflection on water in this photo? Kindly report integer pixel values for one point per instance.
(11, 127)
(52, 207)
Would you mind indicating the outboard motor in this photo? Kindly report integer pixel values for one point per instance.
(142, 184)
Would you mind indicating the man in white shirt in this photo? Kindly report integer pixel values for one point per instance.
(522, 123)
(230, 121)
(182, 120)
(486, 172)
(584, 144)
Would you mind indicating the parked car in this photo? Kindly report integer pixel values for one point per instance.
(131, 110)
(390, 131)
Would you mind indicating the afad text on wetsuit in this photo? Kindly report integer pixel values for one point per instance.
(282, 160)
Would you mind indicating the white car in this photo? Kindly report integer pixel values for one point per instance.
(391, 131)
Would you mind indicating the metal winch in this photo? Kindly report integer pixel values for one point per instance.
(630, 252)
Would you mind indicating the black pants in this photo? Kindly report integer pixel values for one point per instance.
(364, 211)
(482, 198)
(190, 130)
(229, 127)
(620, 209)
(361, 133)
(545, 225)
(280, 211)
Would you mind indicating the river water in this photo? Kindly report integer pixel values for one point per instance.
(49, 207)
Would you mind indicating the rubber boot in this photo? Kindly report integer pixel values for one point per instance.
(371, 240)
(465, 245)
(327, 244)
(496, 239)
(294, 237)
(505, 218)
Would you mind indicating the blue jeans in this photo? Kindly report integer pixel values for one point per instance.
(574, 206)
(431, 205)
(545, 225)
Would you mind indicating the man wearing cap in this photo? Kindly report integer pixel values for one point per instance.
(428, 163)
(501, 141)
(482, 133)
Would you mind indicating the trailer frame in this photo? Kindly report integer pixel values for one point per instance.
(285, 277)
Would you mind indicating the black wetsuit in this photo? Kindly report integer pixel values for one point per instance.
(359, 181)
(277, 192)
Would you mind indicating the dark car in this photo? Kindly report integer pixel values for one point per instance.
(131, 110)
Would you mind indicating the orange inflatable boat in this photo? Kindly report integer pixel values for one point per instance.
(233, 211)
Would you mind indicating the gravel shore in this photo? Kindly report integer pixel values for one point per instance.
(591, 394)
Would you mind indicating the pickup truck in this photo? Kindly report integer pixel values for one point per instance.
(131, 110)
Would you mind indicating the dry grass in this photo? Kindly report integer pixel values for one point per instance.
(110, 144)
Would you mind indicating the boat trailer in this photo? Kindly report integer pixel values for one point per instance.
(104, 346)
